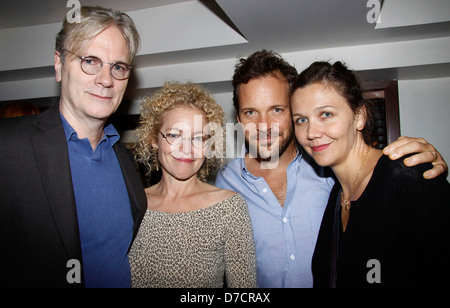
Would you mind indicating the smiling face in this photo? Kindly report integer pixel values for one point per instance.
(183, 160)
(324, 123)
(264, 112)
(86, 97)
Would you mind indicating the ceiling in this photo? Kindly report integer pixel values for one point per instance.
(200, 40)
(21, 13)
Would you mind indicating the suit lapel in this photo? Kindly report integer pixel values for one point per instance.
(52, 156)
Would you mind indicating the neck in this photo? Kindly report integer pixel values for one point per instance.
(92, 129)
(173, 188)
(355, 171)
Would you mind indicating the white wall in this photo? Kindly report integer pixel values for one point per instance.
(425, 111)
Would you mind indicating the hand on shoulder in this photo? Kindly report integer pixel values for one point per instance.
(424, 153)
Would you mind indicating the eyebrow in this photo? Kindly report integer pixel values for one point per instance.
(279, 105)
(116, 61)
(315, 109)
(270, 107)
(323, 107)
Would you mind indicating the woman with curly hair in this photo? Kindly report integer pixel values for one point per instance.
(193, 233)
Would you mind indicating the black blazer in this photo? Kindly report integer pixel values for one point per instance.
(38, 218)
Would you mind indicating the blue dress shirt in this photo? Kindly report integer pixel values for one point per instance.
(285, 236)
(103, 206)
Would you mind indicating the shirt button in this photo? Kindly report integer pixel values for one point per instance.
(285, 219)
(292, 257)
(265, 190)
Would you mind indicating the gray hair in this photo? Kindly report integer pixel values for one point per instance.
(75, 36)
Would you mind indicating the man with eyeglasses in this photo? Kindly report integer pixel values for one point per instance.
(71, 200)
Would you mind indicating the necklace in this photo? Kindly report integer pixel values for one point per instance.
(347, 200)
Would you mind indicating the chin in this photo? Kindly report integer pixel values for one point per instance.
(321, 160)
(184, 177)
(102, 113)
(184, 173)
(265, 151)
(269, 154)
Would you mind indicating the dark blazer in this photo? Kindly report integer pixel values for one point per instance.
(38, 218)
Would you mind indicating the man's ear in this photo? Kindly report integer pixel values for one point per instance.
(58, 66)
(237, 118)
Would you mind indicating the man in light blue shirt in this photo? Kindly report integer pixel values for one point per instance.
(285, 190)
(285, 236)
(285, 196)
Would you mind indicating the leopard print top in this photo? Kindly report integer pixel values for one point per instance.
(197, 249)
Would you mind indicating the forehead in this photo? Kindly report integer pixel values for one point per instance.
(316, 95)
(109, 44)
(263, 92)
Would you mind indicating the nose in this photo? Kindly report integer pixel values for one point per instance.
(186, 146)
(104, 77)
(313, 131)
(264, 124)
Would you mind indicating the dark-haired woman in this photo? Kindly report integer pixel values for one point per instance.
(385, 225)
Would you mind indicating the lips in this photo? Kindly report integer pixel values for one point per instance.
(100, 97)
(265, 140)
(185, 160)
(319, 148)
(266, 137)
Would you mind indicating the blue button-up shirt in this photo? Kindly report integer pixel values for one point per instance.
(285, 236)
(103, 206)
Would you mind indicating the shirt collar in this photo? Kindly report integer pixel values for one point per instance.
(110, 132)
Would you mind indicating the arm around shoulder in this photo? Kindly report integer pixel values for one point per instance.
(424, 153)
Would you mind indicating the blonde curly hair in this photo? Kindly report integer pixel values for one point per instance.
(173, 95)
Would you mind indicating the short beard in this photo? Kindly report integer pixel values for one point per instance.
(274, 153)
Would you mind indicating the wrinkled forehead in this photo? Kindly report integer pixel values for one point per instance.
(108, 40)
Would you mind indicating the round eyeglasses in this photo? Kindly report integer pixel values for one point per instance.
(91, 65)
(176, 139)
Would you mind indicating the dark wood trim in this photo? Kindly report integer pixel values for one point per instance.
(389, 91)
